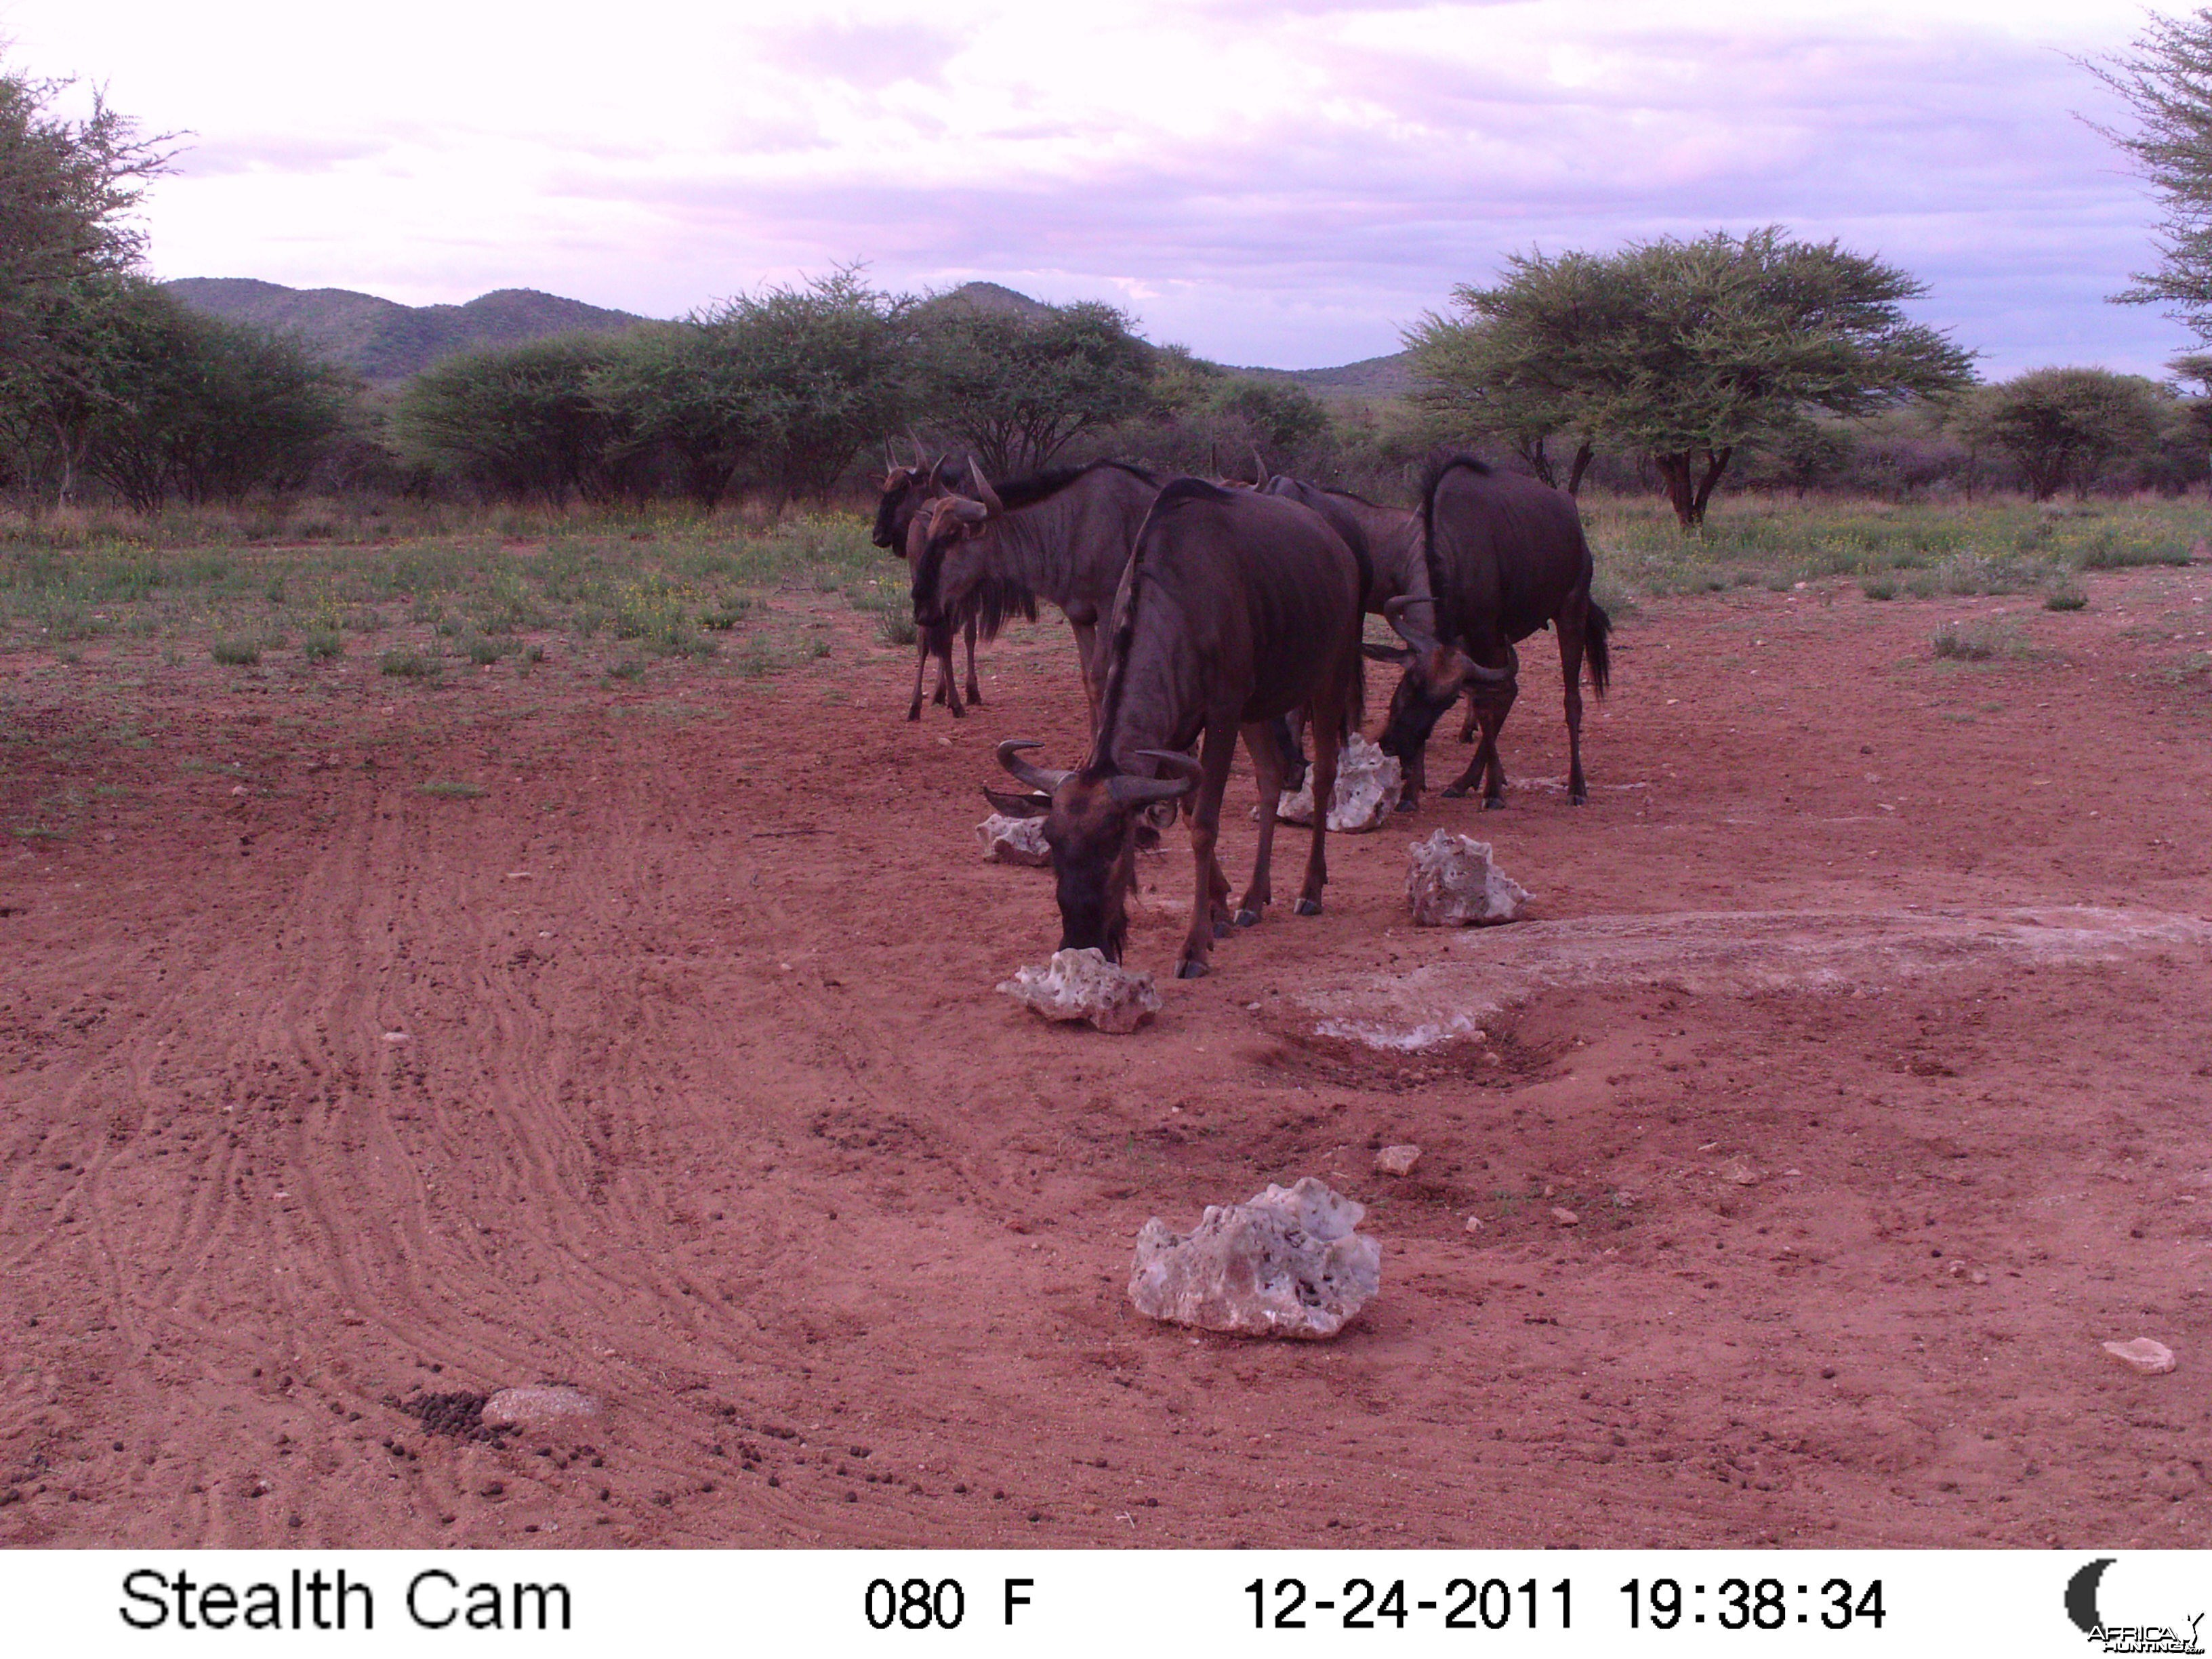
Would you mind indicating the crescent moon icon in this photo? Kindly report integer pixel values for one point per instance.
(2081, 1595)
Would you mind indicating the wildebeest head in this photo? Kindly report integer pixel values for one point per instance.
(1090, 824)
(907, 489)
(1436, 673)
(939, 550)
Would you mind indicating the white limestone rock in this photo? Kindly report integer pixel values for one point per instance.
(1286, 1264)
(1451, 883)
(2146, 1356)
(1397, 1160)
(1014, 841)
(1084, 985)
(1367, 788)
(545, 1402)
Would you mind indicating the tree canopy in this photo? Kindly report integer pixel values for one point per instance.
(2168, 83)
(1017, 389)
(2064, 426)
(1682, 351)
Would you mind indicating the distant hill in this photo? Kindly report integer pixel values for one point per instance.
(1371, 377)
(384, 340)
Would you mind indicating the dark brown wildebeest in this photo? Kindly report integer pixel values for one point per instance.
(1064, 536)
(1506, 556)
(907, 490)
(1393, 563)
(1237, 608)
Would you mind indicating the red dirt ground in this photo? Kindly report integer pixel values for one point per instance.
(670, 1067)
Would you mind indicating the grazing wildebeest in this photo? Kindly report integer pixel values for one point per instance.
(1237, 608)
(1506, 555)
(907, 490)
(1064, 535)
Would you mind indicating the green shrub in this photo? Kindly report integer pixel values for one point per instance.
(236, 652)
(2065, 594)
(1879, 587)
(896, 628)
(407, 665)
(322, 645)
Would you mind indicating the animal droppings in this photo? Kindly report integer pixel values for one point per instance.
(1288, 1263)
(2143, 1355)
(1367, 786)
(1451, 883)
(1084, 985)
(1014, 841)
(538, 1403)
(1397, 1160)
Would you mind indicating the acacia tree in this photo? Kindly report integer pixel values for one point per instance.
(1686, 352)
(1019, 389)
(67, 243)
(1511, 367)
(829, 365)
(682, 395)
(2168, 83)
(2065, 425)
(522, 420)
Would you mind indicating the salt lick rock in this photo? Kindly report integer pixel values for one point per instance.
(1367, 786)
(1084, 985)
(1451, 883)
(537, 1403)
(2145, 1355)
(1286, 1264)
(1397, 1160)
(1014, 841)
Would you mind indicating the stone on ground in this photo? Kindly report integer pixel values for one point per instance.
(1286, 1264)
(1397, 1160)
(1014, 841)
(2144, 1355)
(1084, 985)
(1367, 788)
(1451, 883)
(543, 1402)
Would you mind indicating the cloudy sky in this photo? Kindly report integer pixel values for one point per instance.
(1283, 182)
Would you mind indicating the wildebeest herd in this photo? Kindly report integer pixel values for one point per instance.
(1207, 611)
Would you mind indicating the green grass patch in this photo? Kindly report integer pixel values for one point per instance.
(236, 652)
(324, 645)
(405, 665)
(448, 790)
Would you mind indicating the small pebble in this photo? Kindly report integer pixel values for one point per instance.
(1565, 1218)
(1473, 1224)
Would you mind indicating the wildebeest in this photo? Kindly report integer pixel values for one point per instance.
(1506, 555)
(1237, 609)
(906, 490)
(1063, 536)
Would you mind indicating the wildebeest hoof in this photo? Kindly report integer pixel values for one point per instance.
(915, 712)
(1406, 802)
(1221, 929)
(1581, 798)
(1493, 803)
(1193, 969)
(1248, 918)
(1309, 907)
(1453, 792)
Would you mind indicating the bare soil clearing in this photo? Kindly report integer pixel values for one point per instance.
(668, 1066)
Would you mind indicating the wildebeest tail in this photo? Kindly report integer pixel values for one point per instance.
(1596, 630)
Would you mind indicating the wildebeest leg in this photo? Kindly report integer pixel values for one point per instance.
(945, 683)
(1327, 728)
(975, 690)
(1573, 617)
(1261, 741)
(1290, 735)
(920, 665)
(1086, 654)
(1467, 727)
(1211, 893)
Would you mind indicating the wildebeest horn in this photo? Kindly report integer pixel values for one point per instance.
(1393, 612)
(936, 472)
(1129, 790)
(1038, 777)
(984, 492)
(921, 455)
(1259, 470)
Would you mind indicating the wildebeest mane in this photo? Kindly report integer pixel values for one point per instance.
(992, 601)
(1043, 486)
(1179, 493)
(1439, 469)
